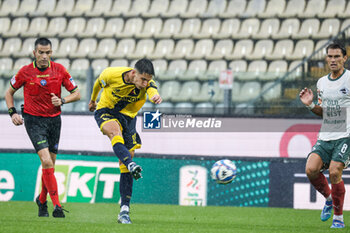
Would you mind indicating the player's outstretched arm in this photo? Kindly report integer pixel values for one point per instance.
(306, 97)
(95, 90)
(15, 117)
(92, 105)
(157, 99)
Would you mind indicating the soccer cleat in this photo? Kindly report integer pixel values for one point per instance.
(58, 212)
(123, 217)
(42, 208)
(135, 170)
(337, 224)
(327, 211)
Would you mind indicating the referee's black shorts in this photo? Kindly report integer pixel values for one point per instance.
(44, 132)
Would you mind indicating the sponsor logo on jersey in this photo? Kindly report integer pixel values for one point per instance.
(43, 76)
(129, 99)
(344, 90)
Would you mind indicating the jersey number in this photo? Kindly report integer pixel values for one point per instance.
(343, 149)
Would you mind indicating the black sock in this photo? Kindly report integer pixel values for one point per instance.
(122, 153)
(125, 188)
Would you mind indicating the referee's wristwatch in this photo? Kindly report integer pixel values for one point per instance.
(63, 101)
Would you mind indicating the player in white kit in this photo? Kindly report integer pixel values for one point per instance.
(331, 150)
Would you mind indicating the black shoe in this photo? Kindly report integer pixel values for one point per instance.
(58, 212)
(135, 170)
(42, 208)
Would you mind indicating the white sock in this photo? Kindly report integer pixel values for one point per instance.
(338, 217)
(124, 208)
(329, 198)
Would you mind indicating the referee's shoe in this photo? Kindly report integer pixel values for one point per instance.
(58, 212)
(42, 208)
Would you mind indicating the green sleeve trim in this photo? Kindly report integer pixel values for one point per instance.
(13, 87)
(72, 91)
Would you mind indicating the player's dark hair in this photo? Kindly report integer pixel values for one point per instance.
(336, 45)
(144, 66)
(42, 41)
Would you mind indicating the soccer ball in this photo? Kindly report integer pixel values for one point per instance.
(223, 171)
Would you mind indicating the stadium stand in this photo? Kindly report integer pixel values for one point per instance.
(43, 8)
(9, 7)
(190, 42)
(221, 49)
(18, 25)
(62, 7)
(196, 69)
(56, 26)
(313, 8)
(25, 7)
(36, 26)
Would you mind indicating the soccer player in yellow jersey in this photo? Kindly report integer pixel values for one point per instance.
(124, 93)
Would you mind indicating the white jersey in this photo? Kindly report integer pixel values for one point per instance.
(334, 98)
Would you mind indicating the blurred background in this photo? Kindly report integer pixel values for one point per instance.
(213, 58)
(272, 47)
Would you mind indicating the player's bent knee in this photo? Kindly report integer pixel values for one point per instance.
(117, 139)
(312, 172)
(335, 176)
(111, 129)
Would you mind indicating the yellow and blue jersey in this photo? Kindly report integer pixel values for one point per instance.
(120, 95)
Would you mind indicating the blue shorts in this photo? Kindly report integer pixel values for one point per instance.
(127, 124)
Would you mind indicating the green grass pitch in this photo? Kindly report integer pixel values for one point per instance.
(21, 217)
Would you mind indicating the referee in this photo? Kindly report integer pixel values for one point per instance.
(41, 81)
